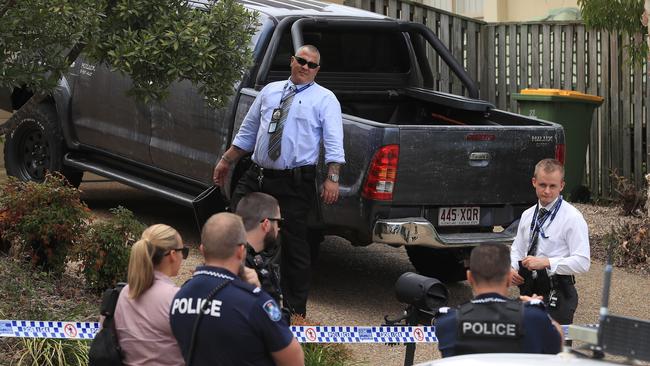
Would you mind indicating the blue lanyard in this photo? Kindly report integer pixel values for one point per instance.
(298, 90)
(533, 223)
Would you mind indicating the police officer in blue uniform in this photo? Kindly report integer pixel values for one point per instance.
(492, 323)
(284, 129)
(239, 324)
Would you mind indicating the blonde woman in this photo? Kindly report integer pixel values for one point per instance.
(142, 311)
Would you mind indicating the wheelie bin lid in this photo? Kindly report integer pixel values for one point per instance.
(557, 95)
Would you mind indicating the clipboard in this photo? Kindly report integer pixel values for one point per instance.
(206, 204)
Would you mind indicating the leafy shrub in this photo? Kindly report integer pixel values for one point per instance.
(104, 254)
(629, 245)
(43, 219)
(325, 354)
(629, 196)
(55, 352)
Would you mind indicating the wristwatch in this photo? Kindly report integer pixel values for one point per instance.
(333, 177)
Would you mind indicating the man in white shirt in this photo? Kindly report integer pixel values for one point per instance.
(551, 246)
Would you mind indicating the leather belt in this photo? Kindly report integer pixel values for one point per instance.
(564, 278)
(306, 171)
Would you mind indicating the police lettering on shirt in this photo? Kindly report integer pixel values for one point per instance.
(508, 330)
(471, 327)
(193, 306)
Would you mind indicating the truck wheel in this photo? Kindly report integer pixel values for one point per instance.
(442, 264)
(35, 146)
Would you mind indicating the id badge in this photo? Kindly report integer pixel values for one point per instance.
(275, 117)
(273, 126)
(552, 299)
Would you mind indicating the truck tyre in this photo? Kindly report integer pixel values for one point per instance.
(35, 146)
(442, 264)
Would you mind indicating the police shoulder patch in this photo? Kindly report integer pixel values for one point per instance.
(272, 310)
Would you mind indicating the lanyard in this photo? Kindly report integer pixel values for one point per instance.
(534, 223)
(298, 90)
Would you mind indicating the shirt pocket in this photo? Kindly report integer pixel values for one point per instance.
(308, 131)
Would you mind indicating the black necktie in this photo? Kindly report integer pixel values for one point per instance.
(541, 216)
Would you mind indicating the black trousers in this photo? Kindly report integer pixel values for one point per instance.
(296, 196)
(566, 301)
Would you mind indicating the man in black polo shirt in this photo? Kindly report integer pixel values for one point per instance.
(261, 216)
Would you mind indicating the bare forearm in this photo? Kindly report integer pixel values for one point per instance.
(233, 154)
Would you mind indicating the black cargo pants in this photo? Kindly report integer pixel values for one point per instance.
(564, 302)
(295, 191)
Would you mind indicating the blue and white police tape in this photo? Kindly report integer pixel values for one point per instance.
(304, 333)
(48, 329)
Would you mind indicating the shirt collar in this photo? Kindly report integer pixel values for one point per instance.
(298, 86)
(250, 249)
(161, 276)
(490, 295)
(550, 205)
(215, 269)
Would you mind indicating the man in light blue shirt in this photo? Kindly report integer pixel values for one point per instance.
(284, 129)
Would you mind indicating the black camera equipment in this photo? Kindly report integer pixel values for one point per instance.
(615, 335)
(423, 296)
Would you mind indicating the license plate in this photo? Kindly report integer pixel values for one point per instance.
(458, 216)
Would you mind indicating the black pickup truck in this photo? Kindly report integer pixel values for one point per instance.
(434, 172)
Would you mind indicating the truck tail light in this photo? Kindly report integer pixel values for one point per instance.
(559, 153)
(381, 174)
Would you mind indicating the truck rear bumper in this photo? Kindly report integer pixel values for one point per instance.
(419, 231)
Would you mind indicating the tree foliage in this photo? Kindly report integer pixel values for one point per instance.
(36, 35)
(618, 15)
(154, 42)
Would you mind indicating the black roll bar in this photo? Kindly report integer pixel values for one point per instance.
(399, 26)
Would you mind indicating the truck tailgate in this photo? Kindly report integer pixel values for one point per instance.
(470, 165)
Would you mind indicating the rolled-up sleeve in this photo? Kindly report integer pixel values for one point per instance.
(247, 134)
(332, 130)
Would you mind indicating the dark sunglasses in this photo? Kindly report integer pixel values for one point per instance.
(278, 220)
(184, 250)
(302, 62)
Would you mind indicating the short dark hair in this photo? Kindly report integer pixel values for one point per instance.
(490, 263)
(255, 207)
(312, 49)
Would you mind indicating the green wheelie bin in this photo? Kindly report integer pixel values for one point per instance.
(574, 111)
